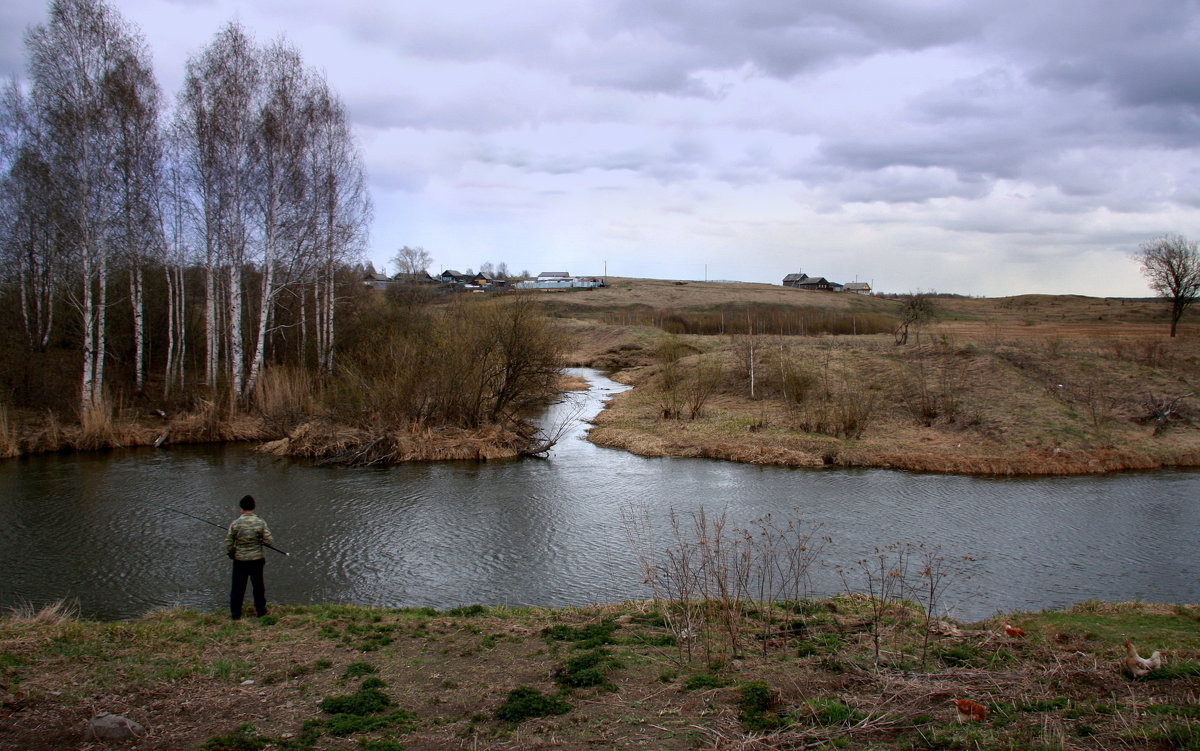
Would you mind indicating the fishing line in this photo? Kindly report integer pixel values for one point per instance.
(206, 521)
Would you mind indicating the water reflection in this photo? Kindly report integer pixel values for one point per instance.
(550, 531)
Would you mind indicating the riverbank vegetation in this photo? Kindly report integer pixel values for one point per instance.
(807, 675)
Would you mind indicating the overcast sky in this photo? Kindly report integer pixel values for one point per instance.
(986, 147)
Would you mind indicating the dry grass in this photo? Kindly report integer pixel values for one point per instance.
(329, 442)
(283, 393)
(53, 614)
(97, 429)
(1040, 406)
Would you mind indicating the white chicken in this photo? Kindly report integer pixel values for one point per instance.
(1139, 666)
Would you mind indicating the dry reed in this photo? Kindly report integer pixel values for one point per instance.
(8, 436)
(282, 393)
(97, 428)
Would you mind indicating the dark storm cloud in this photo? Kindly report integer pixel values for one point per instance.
(782, 38)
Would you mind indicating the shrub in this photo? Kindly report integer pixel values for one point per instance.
(524, 703)
(592, 635)
(347, 724)
(704, 681)
(467, 611)
(364, 702)
(356, 669)
(755, 707)
(587, 669)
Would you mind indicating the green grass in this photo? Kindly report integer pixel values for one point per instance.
(525, 703)
(1116, 623)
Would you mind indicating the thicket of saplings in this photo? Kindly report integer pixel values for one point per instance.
(465, 360)
(47, 378)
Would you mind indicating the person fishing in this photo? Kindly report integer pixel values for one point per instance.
(244, 543)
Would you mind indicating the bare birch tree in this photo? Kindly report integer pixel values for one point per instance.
(30, 220)
(216, 121)
(132, 105)
(74, 60)
(342, 209)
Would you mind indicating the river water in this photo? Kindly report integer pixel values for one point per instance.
(91, 528)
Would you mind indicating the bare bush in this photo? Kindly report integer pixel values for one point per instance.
(480, 362)
(712, 575)
(903, 582)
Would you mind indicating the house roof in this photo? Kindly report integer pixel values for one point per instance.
(857, 285)
(795, 277)
(554, 274)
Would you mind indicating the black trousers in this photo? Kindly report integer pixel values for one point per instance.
(252, 570)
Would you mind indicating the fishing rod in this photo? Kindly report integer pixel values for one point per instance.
(206, 521)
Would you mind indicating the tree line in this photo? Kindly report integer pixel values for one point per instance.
(217, 227)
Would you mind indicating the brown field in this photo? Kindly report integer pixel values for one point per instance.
(1034, 384)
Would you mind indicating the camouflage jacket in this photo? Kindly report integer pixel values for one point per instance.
(246, 537)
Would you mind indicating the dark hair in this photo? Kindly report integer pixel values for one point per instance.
(247, 503)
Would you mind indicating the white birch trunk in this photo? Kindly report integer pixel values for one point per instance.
(101, 326)
(181, 324)
(169, 369)
(137, 301)
(87, 314)
(237, 349)
(264, 317)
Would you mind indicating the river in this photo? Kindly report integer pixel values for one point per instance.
(91, 528)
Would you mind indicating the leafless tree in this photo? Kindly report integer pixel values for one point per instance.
(1171, 264)
(132, 106)
(30, 218)
(86, 65)
(341, 208)
(216, 122)
(918, 310)
(412, 260)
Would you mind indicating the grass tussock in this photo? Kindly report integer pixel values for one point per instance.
(97, 428)
(54, 613)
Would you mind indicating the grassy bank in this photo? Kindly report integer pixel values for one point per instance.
(959, 401)
(826, 674)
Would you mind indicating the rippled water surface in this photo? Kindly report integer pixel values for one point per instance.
(553, 531)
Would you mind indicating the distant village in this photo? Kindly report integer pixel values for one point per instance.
(455, 281)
